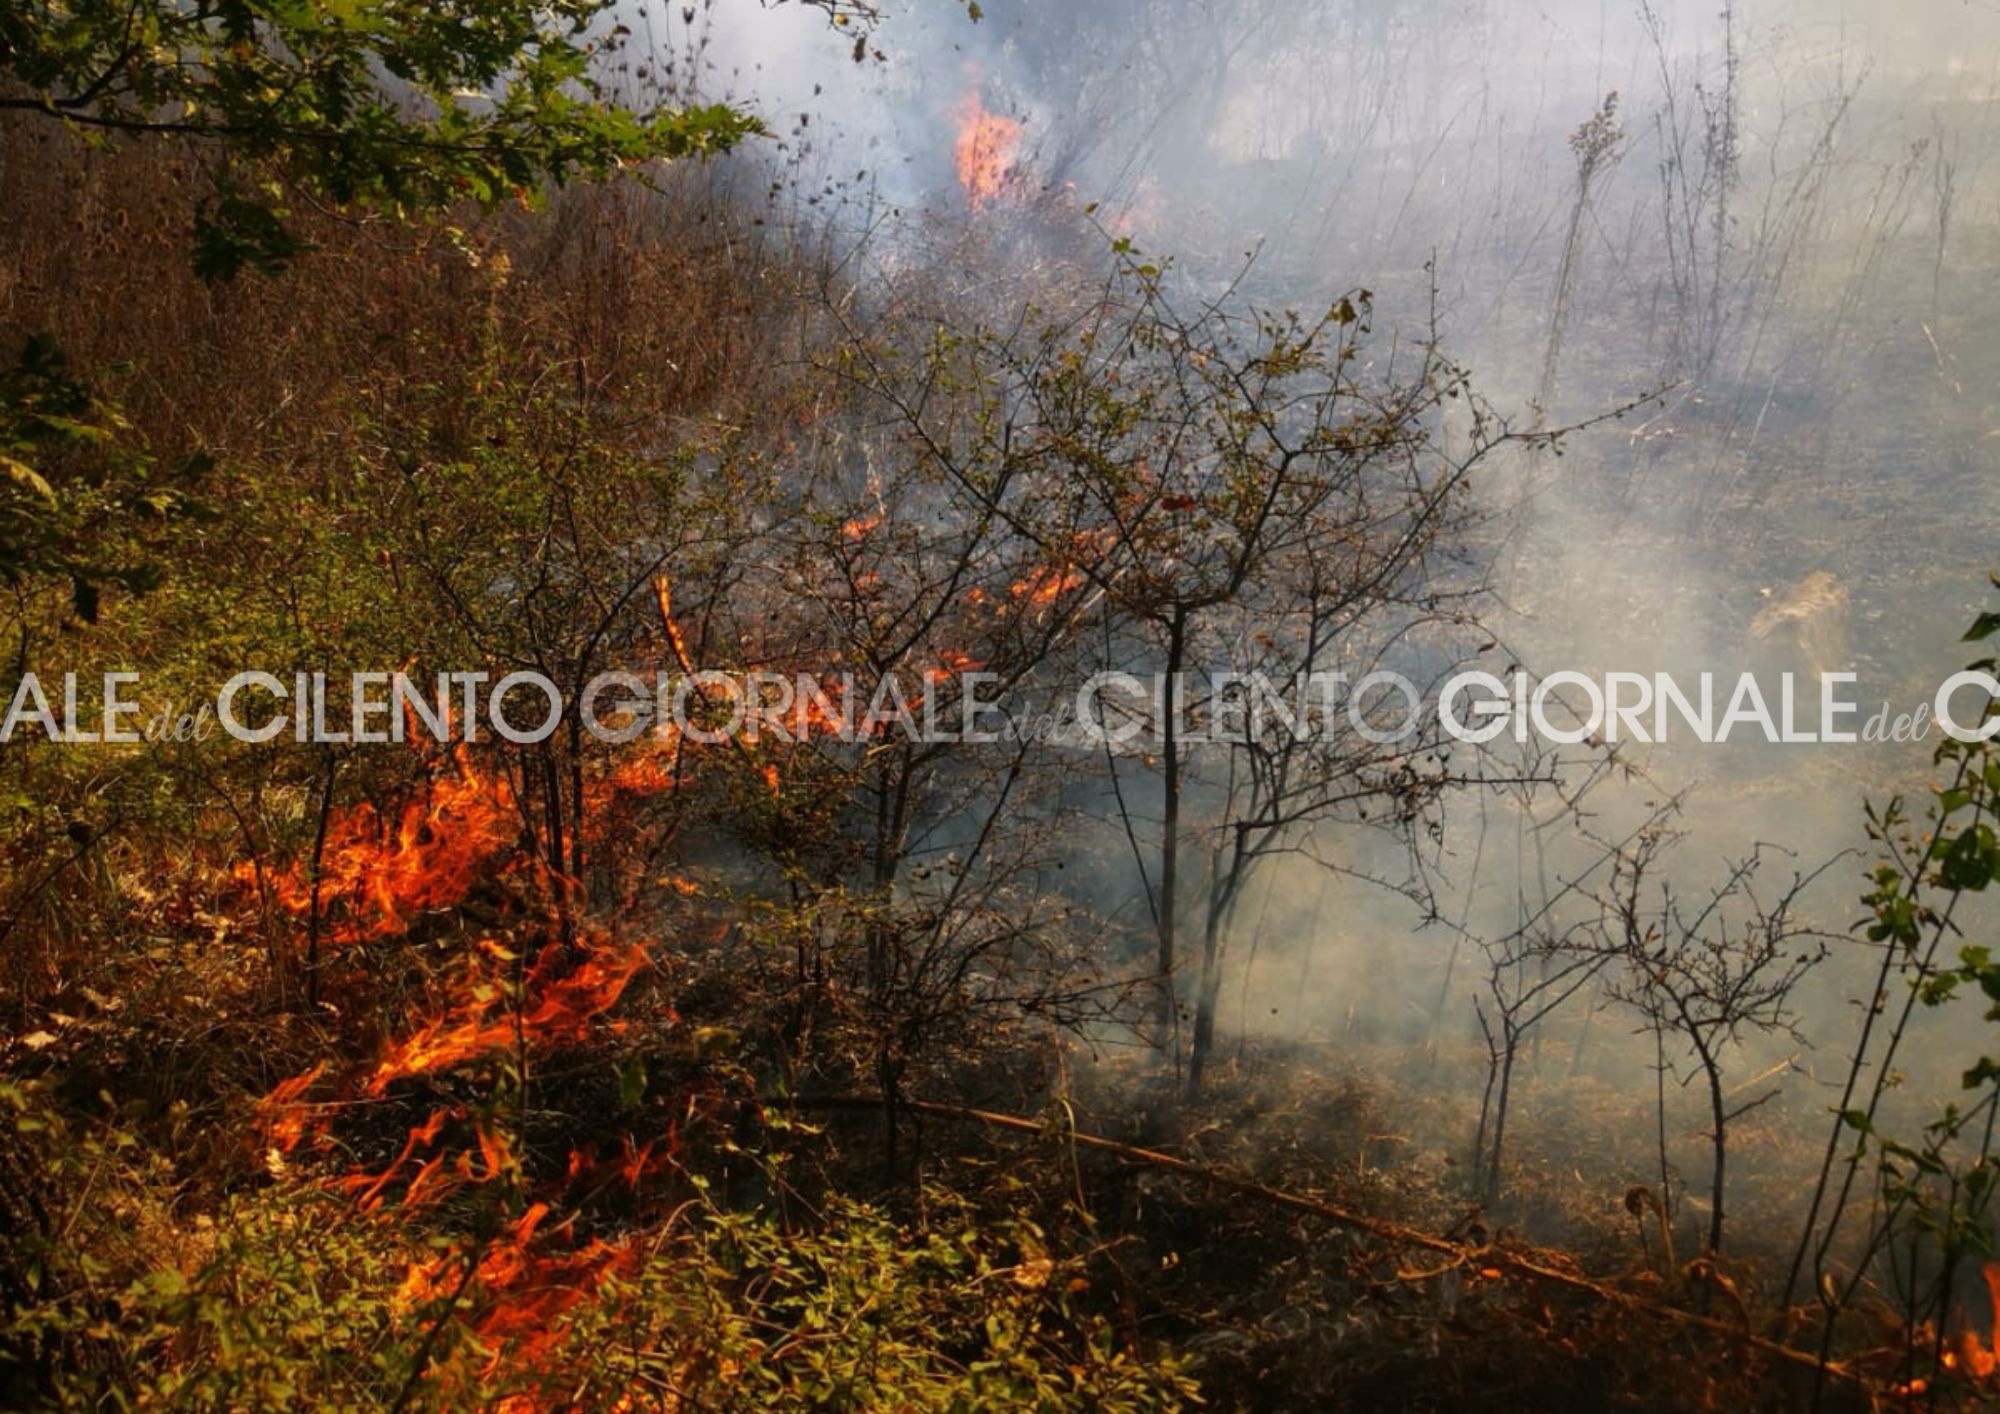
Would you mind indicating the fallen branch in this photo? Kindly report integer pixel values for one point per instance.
(1378, 1227)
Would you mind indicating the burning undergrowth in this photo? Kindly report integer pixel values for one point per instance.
(486, 1047)
(543, 1076)
(986, 150)
(513, 1142)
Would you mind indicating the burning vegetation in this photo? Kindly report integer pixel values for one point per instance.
(936, 976)
(984, 149)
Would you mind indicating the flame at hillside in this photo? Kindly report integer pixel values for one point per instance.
(385, 871)
(984, 149)
(562, 1001)
(520, 1289)
(516, 1291)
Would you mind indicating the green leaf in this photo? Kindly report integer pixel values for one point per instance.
(632, 1081)
(233, 232)
(1985, 1072)
(1970, 861)
(30, 480)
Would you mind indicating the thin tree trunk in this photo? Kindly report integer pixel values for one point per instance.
(1660, 1120)
(1719, 1114)
(1170, 818)
(554, 850)
(576, 859)
(1221, 912)
(1500, 1117)
(1205, 1001)
(314, 920)
(1583, 1036)
(1485, 1106)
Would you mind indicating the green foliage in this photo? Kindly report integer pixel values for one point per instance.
(234, 231)
(1935, 1192)
(386, 104)
(1961, 856)
(869, 1313)
(74, 488)
(293, 1298)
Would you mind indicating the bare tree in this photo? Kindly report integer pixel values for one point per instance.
(1709, 975)
(1597, 145)
(1528, 979)
(1536, 967)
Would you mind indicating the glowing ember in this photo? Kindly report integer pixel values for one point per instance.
(663, 592)
(985, 151)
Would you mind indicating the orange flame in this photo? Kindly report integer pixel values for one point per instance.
(380, 871)
(370, 1187)
(528, 1289)
(664, 594)
(561, 1012)
(1966, 1355)
(388, 873)
(951, 663)
(1050, 581)
(984, 150)
(1046, 585)
(520, 1289)
(286, 1112)
(1975, 1357)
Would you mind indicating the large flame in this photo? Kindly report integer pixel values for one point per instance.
(379, 874)
(985, 151)
(381, 870)
(521, 1286)
(531, 986)
(518, 1289)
